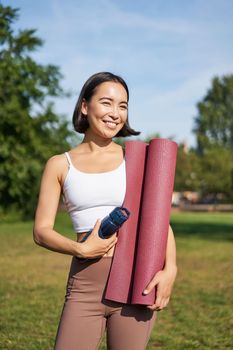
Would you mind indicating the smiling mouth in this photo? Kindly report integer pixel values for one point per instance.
(111, 125)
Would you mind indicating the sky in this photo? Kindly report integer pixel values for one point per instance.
(167, 51)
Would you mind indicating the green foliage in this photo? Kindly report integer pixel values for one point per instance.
(217, 172)
(30, 130)
(187, 170)
(214, 132)
(209, 173)
(214, 122)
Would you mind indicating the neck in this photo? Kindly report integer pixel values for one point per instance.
(96, 143)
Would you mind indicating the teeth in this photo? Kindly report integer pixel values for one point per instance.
(111, 124)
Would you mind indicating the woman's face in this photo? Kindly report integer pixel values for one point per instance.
(107, 109)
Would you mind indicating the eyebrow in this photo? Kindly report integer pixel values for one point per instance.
(110, 99)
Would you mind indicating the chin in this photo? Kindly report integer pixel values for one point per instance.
(109, 133)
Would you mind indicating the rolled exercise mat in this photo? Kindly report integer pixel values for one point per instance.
(120, 278)
(154, 217)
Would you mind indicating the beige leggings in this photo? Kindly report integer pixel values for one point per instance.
(86, 314)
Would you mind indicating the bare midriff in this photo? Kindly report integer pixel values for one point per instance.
(80, 235)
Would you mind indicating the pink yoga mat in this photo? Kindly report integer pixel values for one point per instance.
(119, 285)
(141, 247)
(155, 215)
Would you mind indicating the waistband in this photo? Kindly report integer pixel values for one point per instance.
(87, 260)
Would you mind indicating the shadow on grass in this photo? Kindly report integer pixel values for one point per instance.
(209, 231)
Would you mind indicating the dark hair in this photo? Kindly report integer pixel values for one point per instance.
(80, 121)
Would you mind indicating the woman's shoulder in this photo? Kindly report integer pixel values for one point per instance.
(56, 159)
(56, 163)
(56, 166)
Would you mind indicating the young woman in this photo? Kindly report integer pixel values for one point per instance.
(91, 178)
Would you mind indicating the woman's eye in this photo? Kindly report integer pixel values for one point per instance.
(123, 107)
(106, 103)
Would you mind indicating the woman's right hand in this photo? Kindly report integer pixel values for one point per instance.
(94, 246)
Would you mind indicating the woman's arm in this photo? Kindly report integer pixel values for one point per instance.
(50, 190)
(170, 260)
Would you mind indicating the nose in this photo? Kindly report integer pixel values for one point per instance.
(114, 112)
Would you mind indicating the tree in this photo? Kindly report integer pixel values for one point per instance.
(217, 172)
(187, 170)
(214, 122)
(30, 130)
(214, 132)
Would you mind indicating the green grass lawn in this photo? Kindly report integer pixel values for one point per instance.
(199, 315)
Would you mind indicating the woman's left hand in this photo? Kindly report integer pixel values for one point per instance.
(164, 280)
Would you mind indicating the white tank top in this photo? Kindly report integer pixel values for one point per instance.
(89, 196)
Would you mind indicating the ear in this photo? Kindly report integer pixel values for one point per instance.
(84, 107)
